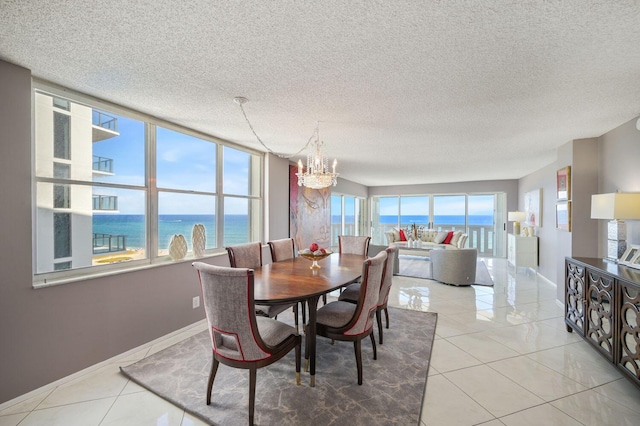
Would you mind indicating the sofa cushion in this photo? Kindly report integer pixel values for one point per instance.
(439, 238)
(447, 240)
(396, 234)
(428, 235)
(455, 238)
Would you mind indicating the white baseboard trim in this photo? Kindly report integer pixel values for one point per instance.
(50, 386)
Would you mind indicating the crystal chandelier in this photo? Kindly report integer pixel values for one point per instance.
(317, 175)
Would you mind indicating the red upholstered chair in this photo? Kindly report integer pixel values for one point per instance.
(249, 255)
(239, 338)
(341, 320)
(352, 292)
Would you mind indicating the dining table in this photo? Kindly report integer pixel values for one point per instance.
(293, 280)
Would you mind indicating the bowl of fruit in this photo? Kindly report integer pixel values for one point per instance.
(314, 253)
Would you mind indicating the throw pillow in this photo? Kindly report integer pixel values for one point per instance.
(449, 237)
(456, 238)
(440, 237)
(402, 236)
(396, 234)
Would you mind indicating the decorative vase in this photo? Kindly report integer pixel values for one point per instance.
(198, 240)
(178, 247)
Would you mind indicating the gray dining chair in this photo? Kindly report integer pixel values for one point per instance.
(249, 255)
(353, 244)
(341, 320)
(281, 250)
(352, 291)
(239, 338)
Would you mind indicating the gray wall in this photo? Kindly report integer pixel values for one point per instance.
(50, 333)
(277, 198)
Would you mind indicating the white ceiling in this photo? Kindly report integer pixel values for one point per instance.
(405, 92)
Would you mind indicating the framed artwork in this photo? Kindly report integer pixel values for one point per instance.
(632, 253)
(563, 181)
(532, 203)
(563, 215)
(635, 262)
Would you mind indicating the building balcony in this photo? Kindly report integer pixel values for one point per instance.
(108, 243)
(102, 165)
(104, 126)
(105, 203)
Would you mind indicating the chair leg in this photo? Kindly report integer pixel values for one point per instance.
(357, 348)
(298, 352)
(252, 393)
(379, 321)
(386, 315)
(295, 317)
(373, 343)
(306, 351)
(212, 375)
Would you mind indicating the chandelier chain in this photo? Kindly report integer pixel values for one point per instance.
(241, 101)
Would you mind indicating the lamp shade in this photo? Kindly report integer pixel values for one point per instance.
(617, 205)
(516, 216)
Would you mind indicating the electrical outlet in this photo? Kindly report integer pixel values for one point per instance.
(195, 302)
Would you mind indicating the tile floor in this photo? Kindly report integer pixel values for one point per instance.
(501, 357)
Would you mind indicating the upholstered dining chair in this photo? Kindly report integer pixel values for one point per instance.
(239, 338)
(351, 244)
(249, 255)
(285, 249)
(352, 292)
(341, 320)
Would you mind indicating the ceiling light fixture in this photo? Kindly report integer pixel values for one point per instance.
(317, 175)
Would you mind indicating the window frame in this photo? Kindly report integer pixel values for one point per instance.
(152, 259)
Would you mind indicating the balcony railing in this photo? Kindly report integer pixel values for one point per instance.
(102, 164)
(105, 121)
(108, 243)
(105, 202)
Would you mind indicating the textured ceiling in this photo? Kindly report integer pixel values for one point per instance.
(405, 91)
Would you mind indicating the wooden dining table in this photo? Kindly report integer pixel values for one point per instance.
(293, 280)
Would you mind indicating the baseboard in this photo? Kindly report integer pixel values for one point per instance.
(50, 386)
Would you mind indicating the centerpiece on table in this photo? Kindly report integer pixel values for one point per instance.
(315, 253)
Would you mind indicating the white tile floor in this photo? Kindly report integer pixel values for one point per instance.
(502, 356)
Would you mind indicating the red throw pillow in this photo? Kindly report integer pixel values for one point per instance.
(449, 238)
(402, 236)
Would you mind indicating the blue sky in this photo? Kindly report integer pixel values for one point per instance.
(183, 162)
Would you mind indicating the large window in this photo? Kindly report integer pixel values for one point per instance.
(347, 216)
(474, 214)
(113, 187)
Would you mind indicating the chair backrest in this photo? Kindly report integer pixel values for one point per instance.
(351, 244)
(245, 255)
(283, 249)
(372, 269)
(227, 297)
(387, 275)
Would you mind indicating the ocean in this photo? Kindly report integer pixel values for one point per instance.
(133, 227)
(439, 220)
(236, 226)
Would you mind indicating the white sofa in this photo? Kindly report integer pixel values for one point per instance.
(429, 238)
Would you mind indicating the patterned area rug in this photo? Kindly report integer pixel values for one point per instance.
(420, 267)
(391, 394)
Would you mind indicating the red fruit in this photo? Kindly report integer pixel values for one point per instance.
(313, 247)
(323, 251)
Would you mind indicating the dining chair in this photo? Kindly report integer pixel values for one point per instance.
(285, 249)
(352, 291)
(341, 320)
(239, 338)
(352, 244)
(249, 255)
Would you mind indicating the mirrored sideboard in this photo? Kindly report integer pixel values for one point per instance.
(602, 304)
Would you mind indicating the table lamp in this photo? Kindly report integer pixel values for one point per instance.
(616, 207)
(516, 217)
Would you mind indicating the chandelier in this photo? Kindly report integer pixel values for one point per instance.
(317, 175)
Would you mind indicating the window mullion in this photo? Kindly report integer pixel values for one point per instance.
(152, 191)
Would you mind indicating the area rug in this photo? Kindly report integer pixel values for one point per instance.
(391, 394)
(420, 267)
